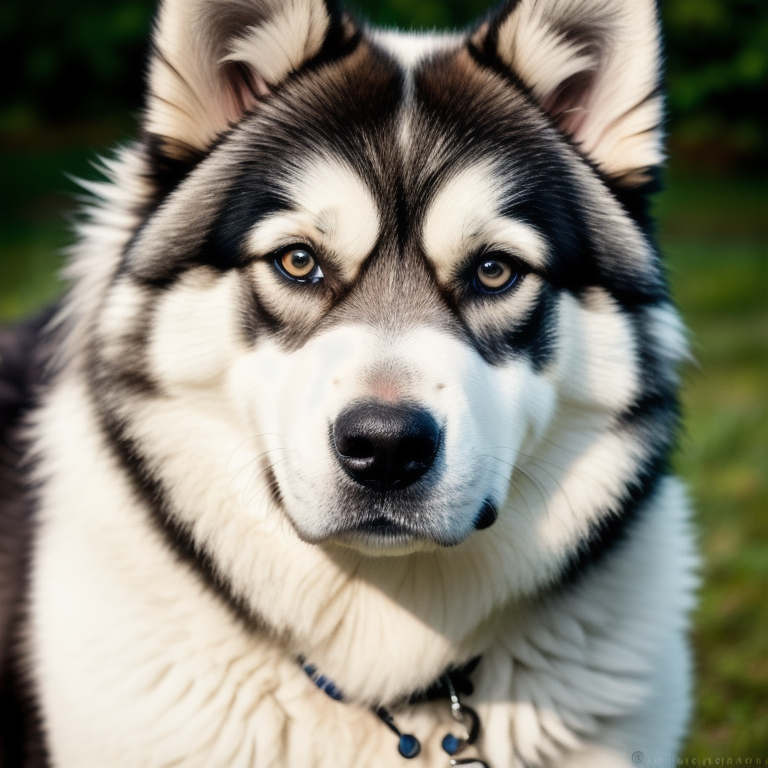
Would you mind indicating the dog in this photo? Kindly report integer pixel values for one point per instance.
(349, 444)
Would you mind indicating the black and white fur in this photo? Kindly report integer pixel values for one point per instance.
(195, 528)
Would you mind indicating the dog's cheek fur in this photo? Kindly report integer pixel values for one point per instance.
(197, 331)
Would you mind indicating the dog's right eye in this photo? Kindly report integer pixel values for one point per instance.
(300, 264)
(496, 272)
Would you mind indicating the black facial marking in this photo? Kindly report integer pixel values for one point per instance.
(255, 318)
(613, 527)
(250, 200)
(534, 337)
(167, 166)
(156, 499)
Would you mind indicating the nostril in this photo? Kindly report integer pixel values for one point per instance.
(355, 447)
(385, 446)
(425, 448)
(419, 449)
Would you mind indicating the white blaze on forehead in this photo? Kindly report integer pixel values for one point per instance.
(333, 209)
(464, 216)
(410, 48)
(280, 45)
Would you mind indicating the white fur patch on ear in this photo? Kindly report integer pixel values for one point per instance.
(284, 43)
(214, 59)
(594, 66)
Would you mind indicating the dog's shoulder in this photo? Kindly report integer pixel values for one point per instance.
(21, 371)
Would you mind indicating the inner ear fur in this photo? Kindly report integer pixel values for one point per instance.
(594, 66)
(213, 60)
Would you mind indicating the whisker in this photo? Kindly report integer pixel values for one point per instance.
(272, 484)
(536, 482)
(249, 465)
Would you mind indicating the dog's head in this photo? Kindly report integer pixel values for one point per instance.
(395, 291)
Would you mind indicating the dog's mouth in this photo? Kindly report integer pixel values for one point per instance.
(383, 527)
(381, 536)
(397, 522)
(380, 532)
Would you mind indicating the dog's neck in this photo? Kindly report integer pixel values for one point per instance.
(449, 686)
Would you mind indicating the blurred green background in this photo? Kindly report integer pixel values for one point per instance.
(71, 87)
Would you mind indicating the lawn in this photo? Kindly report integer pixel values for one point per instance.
(715, 234)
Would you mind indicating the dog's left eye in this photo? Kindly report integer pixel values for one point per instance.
(496, 272)
(299, 264)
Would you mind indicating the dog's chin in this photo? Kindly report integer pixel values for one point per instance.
(378, 532)
(378, 537)
(372, 546)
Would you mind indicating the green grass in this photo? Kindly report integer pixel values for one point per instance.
(714, 232)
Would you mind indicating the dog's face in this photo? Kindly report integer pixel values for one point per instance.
(395, 291)
(398, 357)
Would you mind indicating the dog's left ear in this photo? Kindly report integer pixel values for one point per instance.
(594, 66)
(213, 60)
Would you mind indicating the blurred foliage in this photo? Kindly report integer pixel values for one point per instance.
(717, 62)
(71, 61)
(85, 59)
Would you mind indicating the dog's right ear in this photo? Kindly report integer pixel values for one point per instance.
(213, 60)
(594, 67)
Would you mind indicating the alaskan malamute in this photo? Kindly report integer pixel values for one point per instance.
(350, 441)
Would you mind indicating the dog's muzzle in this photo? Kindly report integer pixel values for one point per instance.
(385, 447)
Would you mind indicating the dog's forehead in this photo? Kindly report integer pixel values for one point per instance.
(420, 167)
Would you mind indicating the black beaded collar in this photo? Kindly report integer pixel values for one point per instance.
(454, 681)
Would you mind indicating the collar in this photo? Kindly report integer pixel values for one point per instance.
(454, 681)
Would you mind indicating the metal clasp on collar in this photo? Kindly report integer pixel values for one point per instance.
(470, 722)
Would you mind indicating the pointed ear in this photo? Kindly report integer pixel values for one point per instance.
(214, 59)
(594, 66)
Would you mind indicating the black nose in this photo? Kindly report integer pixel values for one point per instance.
(385, 447)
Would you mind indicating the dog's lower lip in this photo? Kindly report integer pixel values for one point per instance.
(382, 525)
(382, 528)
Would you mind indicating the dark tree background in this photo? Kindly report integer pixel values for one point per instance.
(70, 62)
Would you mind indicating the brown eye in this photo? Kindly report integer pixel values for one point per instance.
(495, 273)
(300, 264)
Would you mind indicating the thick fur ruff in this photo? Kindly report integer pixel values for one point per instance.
(369, 360)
